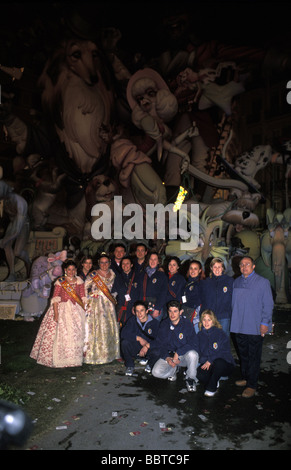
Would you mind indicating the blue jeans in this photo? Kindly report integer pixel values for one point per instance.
(130, 350)
(225, 323)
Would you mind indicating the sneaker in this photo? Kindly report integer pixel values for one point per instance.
(172, 378)
(129, 371)
(191, 386)
(147, 369)
(208, 393)
(143, 361)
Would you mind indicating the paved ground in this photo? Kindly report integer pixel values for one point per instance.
(116, 413)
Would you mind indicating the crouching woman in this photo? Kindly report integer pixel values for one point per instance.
(214, 351)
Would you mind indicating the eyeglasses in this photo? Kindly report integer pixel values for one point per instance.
(244, 265)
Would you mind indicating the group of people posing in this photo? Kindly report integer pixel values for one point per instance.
(133, 309)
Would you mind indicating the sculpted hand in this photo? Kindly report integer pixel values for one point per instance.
(185, 164)
(193, 131)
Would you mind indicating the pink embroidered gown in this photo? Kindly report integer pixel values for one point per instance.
(60, 344)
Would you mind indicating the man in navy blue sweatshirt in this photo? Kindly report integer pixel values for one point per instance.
(126, 288)
(176, 343)
(137, 336)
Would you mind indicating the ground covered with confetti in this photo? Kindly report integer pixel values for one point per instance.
(99, 408)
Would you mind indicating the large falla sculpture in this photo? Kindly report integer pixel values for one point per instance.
(143, 135)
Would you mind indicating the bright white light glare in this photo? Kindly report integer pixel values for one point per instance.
(14, 422)
(9, 419)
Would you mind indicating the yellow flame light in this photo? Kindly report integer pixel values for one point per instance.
(180, 198)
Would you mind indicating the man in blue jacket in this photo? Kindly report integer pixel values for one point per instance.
(139, 262)
(126, 288)
(176, 344)
(252, 307)
(137, 336)
(154, 287)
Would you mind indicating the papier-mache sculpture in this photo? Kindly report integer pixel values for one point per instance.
(44, 271)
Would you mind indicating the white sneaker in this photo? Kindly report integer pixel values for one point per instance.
(143, 362)
(210, 394)
(148, 369)
(207, 393)
(129, 371)
(191, 386)
(172, 378)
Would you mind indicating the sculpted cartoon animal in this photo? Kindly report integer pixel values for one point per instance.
(249, 163)
(77, 101)
(242, 209)
(244, 193)
(77, 94)
(239, 180)
(276, 251)
(44, 270)
(209, 243)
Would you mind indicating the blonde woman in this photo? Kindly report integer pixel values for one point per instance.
(216, 293)
(214, 352)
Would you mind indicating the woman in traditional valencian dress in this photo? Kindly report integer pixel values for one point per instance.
(102, 342)
(60, 339)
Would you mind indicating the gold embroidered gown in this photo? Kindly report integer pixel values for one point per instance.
(102, 341)
(61, 343)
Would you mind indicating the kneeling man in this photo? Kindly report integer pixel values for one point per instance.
(137, 335)
(177, 345)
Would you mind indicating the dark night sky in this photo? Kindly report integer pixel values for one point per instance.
(29, 31)
(246, 21)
